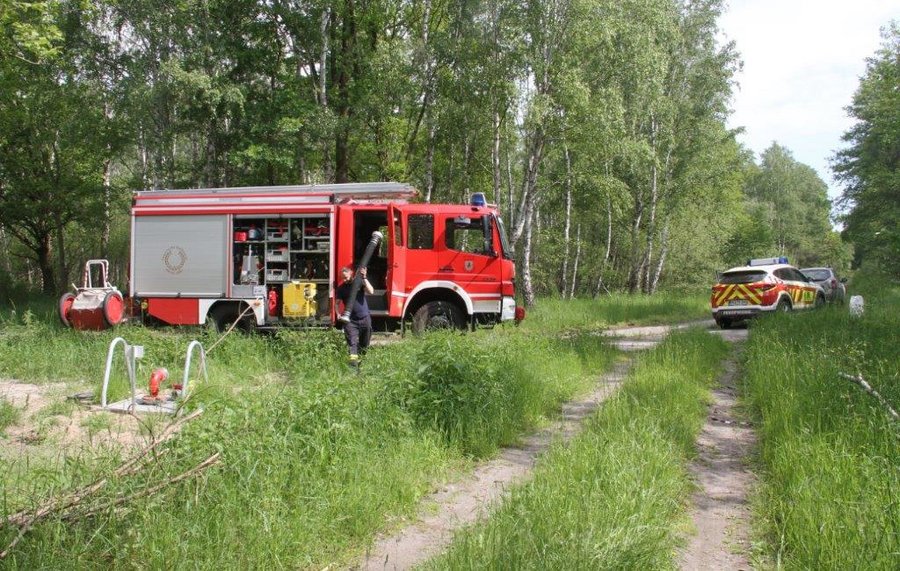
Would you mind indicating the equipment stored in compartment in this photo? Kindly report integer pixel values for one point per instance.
(299, 300)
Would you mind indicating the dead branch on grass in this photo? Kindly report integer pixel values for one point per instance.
(126, 469)
(25, 520)
(860, 381)
(76, 515)
(211, 461)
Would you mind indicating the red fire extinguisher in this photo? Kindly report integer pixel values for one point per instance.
(273, 301)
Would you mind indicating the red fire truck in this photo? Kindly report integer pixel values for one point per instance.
(269, 257)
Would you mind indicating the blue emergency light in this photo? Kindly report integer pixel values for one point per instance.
(478, 199)
(767, 261)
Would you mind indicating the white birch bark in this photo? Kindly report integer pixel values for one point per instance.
(527, 284)
(568, 224)
(575, 264)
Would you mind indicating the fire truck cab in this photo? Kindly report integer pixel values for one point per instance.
(269, 257)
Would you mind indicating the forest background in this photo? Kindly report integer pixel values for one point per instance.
(597, 126)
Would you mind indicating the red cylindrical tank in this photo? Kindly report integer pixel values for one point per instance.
(94, 310)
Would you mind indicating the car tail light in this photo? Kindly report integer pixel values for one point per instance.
(833, 283)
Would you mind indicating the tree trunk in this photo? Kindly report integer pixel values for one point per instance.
(429, 160)
(575, 265)
(142, 145)
(664, 248)
(343, 66)
(603, 265)
(467, 165)
(527, 284)
(48, 285)
(568, 223)
(327, 21)
(495, 156)
(5, 248)
(635, 259)
(509, 184)
(526, 201)
(654, 199)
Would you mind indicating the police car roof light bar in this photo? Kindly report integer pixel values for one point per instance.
(767, 261)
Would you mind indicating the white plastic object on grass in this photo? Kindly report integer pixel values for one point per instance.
(857, 305)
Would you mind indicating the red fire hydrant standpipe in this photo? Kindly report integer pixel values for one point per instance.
(157, 378)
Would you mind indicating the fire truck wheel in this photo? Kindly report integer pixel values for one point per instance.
(437, 315)
(222, 316)
(65, 305)
(783, 305)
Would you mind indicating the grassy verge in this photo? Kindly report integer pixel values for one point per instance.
(612, 498)
(617, 309)
(9, 414)
(830, 457)
(314, 459)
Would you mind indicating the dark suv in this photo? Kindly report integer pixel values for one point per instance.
(835, 290)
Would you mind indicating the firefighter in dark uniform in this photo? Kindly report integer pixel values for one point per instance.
(358, 330)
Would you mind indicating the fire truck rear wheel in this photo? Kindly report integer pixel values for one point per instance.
(437, 315)
(221, 317)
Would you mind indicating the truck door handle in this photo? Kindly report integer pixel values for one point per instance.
(445, 269)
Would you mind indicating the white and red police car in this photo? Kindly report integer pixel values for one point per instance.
(763, 285)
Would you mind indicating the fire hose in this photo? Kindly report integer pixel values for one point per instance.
(376, 239)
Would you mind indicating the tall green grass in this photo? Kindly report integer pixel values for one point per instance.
(617, 309)
(315, 459)
(9, 414)
(613, 497)
(830, 458)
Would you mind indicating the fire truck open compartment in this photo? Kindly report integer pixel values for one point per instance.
(290, 257)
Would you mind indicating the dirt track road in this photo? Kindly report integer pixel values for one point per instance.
(463, 502)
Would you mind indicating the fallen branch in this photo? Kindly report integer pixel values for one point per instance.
(211, 461)
(25, 518)
(72, 516)
(167, 433)
(859, 380)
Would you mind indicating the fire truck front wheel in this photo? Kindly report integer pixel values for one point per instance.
(437, 315)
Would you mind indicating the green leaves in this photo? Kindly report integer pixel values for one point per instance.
(870, 167)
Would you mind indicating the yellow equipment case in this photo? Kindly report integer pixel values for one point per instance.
(299, 299)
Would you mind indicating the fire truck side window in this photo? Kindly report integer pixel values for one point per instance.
(466, 234)
(421, 231)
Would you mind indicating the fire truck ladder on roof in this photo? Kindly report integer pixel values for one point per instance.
(340, 192)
